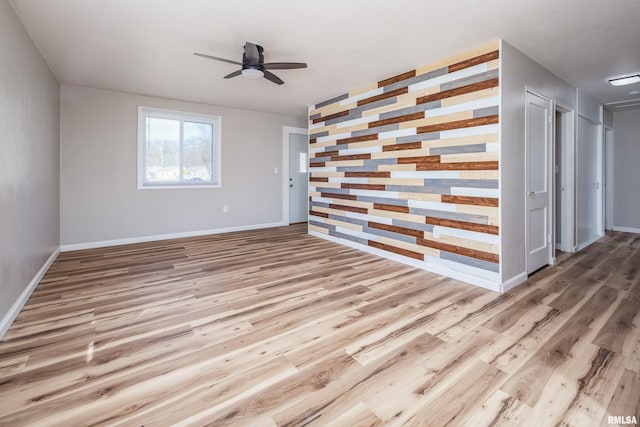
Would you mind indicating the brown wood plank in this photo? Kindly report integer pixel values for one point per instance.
(375, 187)
(331, 116)
(626, 400)
(473, 253)
(398, 119)
(394, 249)
(326, 154)
(481, 59)
(474, 87)
(360, 138)
(392, 208)
(455, 166)
(405, 146)
(367, 174)
(398, 78)
(313, 140)
(418, 160)
(396, 229)
(459, 124)
(463, 225)
(613, 334)
(317, 165)
(468, 200)
(365, 156)
(384, 95)
(321, 214)
(318, 179)
(339, 196)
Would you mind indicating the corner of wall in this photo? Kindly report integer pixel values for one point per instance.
(408, 168)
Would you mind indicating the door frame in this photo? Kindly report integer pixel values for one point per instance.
(600, 177)
(567, 146)
(609, 146)
(286, 131)
(550, 180)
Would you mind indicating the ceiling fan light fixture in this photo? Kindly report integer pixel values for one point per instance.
(252, 73)
(623, 81)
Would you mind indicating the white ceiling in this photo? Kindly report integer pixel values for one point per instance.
(146, 46)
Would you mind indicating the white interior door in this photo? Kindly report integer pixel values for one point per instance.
(538, 168)
(298, 178)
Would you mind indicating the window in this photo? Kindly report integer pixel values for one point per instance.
(177, 149)
(303, 163)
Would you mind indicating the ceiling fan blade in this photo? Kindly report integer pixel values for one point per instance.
(252, 54)
(284, 65)
(273, 78)
(234, 74)
(217, 59)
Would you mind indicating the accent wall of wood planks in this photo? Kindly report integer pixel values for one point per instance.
(408, 167)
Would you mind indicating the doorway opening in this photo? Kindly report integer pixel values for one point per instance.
(295, 175)
(564, 181)
(589, 195)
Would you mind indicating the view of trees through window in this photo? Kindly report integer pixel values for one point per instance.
(178, 151)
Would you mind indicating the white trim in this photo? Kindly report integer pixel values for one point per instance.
(13, 312)
(609, 153)
(286, 131)
(588, 242)
(626, 229)
(567, 170)
(513, 282)
(437, 269)
(153, 238)
(499, 192)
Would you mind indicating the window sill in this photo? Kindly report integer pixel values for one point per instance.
(178, 187)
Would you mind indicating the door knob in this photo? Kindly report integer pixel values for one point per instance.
(531, 194)
(290, 185)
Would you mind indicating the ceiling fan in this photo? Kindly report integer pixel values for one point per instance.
(253, 65)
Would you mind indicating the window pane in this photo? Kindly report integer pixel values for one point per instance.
(163, 146)
(198, 152)
(303, 163)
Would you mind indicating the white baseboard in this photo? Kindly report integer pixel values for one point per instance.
(437, 269)
(153, 238)
(626, 229)
(8, 319)
(589, 242)
(513, 282)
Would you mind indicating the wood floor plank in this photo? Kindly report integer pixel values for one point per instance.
(275, 327)
(626, 400)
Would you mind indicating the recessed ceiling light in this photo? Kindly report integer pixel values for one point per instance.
(622, 81)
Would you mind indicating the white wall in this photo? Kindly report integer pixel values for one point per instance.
(517, 71)
(99, 198)
(626, 170)
(29, 164)
(589, 107)
(607, 117)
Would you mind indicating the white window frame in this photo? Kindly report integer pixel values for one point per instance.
(216, 121)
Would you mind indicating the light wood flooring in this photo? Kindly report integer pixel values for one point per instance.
(278, 328)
